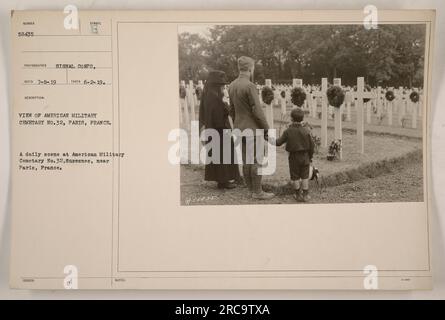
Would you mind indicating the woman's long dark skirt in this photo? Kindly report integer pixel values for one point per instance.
(221, 172)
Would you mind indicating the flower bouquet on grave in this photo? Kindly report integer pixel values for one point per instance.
(315, 138)
(317, 142)
(334, 150)
(403, 120)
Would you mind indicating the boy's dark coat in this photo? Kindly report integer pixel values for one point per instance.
(297, 139)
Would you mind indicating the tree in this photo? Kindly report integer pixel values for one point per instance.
(390, 55)
(192, 56)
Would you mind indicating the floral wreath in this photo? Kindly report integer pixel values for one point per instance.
(298, 96)
(267, 95)
(336, 96)
(414, 96)
(389, 95)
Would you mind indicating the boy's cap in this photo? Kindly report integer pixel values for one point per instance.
(297, 114)
(245, 63)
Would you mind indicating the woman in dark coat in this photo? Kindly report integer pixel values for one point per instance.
(214, 114)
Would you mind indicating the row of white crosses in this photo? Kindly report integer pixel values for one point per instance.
(399, 105)
(283, 101)
(324, 111)
(188, 104)
(379, 101)
(404, 103)
(375, 96)
(312, 105)
(360, 95)
(278, 99)
(337, 120)
(296, 83)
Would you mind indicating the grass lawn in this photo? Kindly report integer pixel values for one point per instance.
(377, 148)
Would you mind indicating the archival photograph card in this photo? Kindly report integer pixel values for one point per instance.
(221, 149)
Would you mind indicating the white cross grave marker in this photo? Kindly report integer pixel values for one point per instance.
(389, 110)
(297, 83)
(324, 111)
(368, 111)
(184, 108)
(258, 87)
(348, 101)
(191, 99)
(414, 109)
(380, 98)
(337, 119)
(360, 95)
(269, 108)
(419, 110)
(401, 105)
(283, 101)
(313, 103)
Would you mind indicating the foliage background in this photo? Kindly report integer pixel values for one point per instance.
(392, 55)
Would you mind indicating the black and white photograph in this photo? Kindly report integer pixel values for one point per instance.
(338, 110)
(251, 151)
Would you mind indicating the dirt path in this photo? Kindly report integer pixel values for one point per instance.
(402, 185)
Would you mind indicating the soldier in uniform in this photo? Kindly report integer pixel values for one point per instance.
(247, 113)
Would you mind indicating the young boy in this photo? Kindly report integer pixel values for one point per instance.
(300, 146)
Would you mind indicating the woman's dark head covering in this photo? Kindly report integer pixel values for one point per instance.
(215, 80)
(216, 77)
(212, 99)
